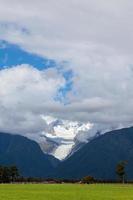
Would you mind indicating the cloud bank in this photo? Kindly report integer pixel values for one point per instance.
(93, 39)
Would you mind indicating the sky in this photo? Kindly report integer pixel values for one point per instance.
(70, 60)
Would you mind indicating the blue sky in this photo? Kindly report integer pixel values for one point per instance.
(87, 43)
(12, 55)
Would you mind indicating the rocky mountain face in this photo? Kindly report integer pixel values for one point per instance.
(63, 137)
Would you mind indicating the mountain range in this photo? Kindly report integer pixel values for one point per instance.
(100, 157)
(97, 158)
(26, 155)
(61, 138)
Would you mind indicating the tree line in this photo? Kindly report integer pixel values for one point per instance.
(120, 171)
(8, 174)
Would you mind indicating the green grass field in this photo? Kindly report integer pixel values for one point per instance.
(66, 192)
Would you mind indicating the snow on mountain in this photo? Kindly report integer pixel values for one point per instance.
(61, 136)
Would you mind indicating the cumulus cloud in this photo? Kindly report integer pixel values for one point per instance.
(24, 94)
(94, 37)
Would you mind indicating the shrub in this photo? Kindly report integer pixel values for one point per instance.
(88, 180)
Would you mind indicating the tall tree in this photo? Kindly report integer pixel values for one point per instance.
(1, 174)
(6, 175)
(14, 173)
(120, 170)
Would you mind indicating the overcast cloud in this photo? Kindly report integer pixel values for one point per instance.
(96, 41)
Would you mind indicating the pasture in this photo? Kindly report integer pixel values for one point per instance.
(66, 192)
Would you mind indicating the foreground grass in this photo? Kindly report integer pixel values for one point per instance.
(66, 192)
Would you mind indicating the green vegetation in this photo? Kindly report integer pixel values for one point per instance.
(120, 170)
(88, 179)
(8, 174)
(66, 192)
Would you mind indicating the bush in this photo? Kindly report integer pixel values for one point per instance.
(88, 180)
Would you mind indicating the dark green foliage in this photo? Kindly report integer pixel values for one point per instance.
(4, 175)
(120, 170)
(8, 174)
(88, 180)
(14, 173)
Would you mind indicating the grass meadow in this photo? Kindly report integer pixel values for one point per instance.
(66, 192)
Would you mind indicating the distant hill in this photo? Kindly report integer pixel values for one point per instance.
(26, 155)
(100, 156)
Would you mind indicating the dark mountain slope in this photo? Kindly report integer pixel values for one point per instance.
(100, 157)
(26, 154)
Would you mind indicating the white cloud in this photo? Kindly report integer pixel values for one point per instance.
(95, 37)
(24, 94)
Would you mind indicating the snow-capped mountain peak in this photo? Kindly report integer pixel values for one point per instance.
(61, 136)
